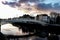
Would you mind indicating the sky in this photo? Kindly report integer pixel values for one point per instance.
(11, 0)
(43, 3)
(51, 1)
(53, 5)
(9, 12)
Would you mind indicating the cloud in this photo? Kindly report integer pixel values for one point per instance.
(11, 3)
(40, 4)
(56, 6)
(50, 4)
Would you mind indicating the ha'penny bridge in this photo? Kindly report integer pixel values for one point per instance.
(38, 28)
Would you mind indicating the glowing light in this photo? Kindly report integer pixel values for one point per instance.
(9, 12)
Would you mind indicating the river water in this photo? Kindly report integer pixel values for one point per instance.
(31, 38)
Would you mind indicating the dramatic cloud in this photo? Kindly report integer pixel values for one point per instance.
(40, 4)
(30, 6)
(49, 6)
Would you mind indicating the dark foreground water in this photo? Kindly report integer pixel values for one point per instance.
(36, 38)
(31, 38)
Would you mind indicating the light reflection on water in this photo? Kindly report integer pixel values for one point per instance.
(31, 38)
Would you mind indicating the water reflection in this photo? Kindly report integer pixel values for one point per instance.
(31, 38)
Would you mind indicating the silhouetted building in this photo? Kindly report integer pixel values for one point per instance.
(43, 17)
